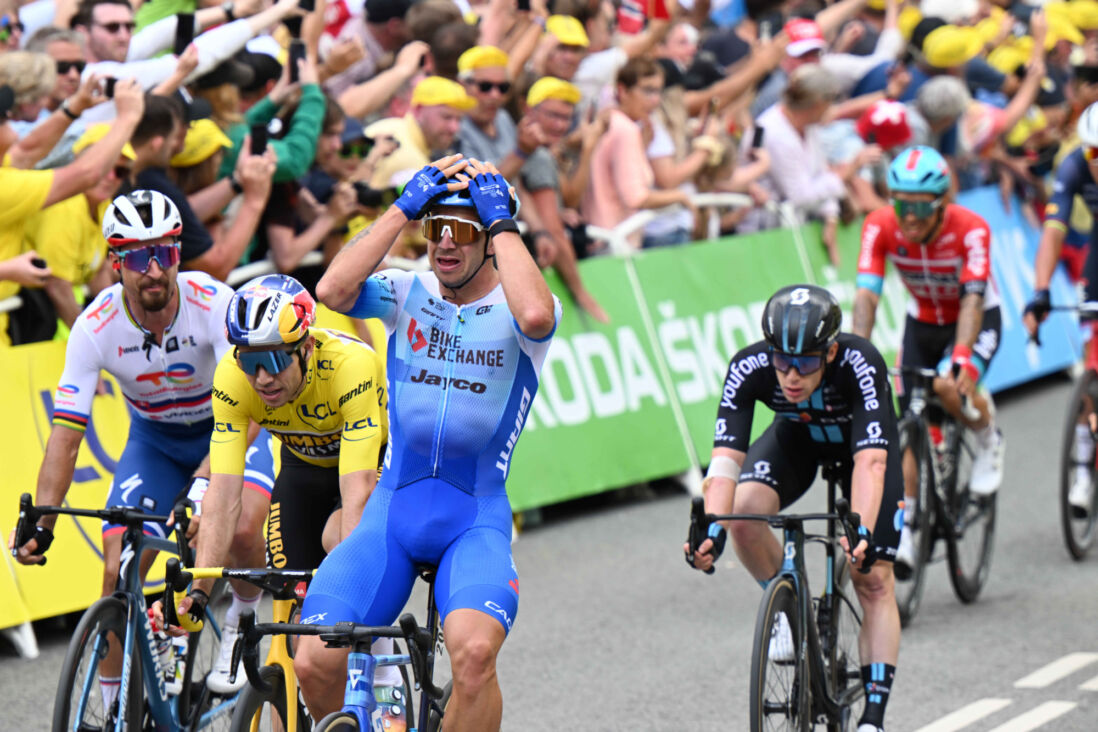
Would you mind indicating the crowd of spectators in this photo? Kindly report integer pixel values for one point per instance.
(280, 130)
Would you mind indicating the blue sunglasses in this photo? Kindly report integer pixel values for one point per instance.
(273, 362)
(805, 365)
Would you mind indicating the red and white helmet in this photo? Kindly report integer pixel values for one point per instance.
(141, 216)
(885, 124)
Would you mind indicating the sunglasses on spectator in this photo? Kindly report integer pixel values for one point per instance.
(113, 28)
(357, 149)
(7, 28)
(487, 86)
(460, 230)
(122, 172)
(273, 362)
(64, 67)
(1090, 153)
(139, 260)
(805, 365)
(918, 209)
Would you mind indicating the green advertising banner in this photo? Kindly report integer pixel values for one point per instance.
(603, 416)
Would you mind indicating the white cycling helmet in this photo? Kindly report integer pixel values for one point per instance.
(140, 216)
(1088, 126)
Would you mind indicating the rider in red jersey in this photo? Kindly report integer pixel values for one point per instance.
(942, 253)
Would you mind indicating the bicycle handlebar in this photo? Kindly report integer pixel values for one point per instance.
(700, 521)
(970, 412)
(340, 635)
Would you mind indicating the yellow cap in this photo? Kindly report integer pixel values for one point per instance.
(1060, 28)
(550, 87)
(436, 90)
(1084, 14)
(94, 134)
(568, 30)
(909, 18)
(876, 4)
(481, 57)
(951, 46)
(204, 138)
(1007, 59)
(1034, 121)
(990, 26)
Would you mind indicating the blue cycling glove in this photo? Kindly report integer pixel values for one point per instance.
(424, 186)
(492, 197)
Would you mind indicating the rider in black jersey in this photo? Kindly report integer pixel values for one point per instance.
(831, 400)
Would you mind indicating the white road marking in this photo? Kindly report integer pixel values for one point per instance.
(966, 715)
(1091, 685)
(1058, 669)
(1036, 717)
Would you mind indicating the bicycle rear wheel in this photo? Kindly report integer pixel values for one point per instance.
(909, 591)
(779, 687)
(841, 651)
(1078, 531)
(195, 699)
(79, 702)
(973, 531)
(338, 722)
(434, 716)
(265, 708)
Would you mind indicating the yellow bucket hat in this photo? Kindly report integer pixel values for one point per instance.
(550, 87)
(95, 133)
(951, 46)
(480, 57)
(436, 90)
(568, 30)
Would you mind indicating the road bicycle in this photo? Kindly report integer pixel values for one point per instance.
(255, 709)
(119, 626)
(1079, 527)
(821, 684)
(945, 508)
(359, 703)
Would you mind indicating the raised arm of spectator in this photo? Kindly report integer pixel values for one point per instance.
(26, 153)
(255, 177)
(671, 173)
(188, 62)
(1027, 93)
(495, 21)
(158, 37)
(761, 62)
(92, 166)
(363, 99)
(573, 185)
(898, 80)
(527, 41)
(288, 249)
(834, 16)
(643, 43)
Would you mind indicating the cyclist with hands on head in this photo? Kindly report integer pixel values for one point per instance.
(831, 401)
(160, 333)
(1076, 176)
(942, 252)
(466, 342)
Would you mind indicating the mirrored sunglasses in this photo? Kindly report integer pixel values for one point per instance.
(805, 365)
(460, 230)
(487, 86)
(918, 209)
(139, 260)
(273, 362)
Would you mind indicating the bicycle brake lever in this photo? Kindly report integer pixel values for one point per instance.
(699, 530)
(851, 522)
(246, 648)
(25, 527)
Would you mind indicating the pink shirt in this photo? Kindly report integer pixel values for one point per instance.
(621, 176)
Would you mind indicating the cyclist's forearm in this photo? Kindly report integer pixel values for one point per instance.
(528, 297)
(354, 489)
(1048, 253)
(865, 312)
(867, 484)
(55, 475)
(719, 488)
(969, 320)
(220, 510)
(341, 283)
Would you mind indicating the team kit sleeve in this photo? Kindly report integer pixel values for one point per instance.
(871, 259)
(361, 390)
(863, 373)
(1069, 182)
(229, 441)
(535, 348)
(378, 297)
(217, 314)
(977, 266)
(737, 406)
(72, 402)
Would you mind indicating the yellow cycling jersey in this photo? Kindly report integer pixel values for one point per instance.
(338, 419)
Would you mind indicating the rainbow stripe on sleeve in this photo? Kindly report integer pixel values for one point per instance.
(72, 420)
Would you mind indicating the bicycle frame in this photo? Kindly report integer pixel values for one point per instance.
(921, 398)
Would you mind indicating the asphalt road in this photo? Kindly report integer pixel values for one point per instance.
(615, 632)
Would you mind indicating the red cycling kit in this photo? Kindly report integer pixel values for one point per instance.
(938, 275)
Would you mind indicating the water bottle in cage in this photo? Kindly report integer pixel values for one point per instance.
(174, 685)
(163, 649)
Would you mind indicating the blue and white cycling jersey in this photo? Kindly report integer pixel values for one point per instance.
(461, 381)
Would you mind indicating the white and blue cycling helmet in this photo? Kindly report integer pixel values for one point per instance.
(272, 310)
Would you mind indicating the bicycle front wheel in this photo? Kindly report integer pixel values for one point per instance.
(79, 703)
(779, 677)
(267, 711)
(841, 651)
(973, 529)
(919, 469)
(1078, 529)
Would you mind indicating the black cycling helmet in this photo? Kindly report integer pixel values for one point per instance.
(801, 319)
